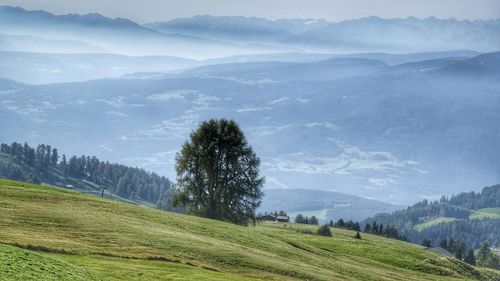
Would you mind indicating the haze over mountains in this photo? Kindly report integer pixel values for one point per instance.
(204, 37)
(319, 102)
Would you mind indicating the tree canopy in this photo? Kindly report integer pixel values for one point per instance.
(218, 173)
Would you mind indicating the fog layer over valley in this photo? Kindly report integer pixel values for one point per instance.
(355, 116)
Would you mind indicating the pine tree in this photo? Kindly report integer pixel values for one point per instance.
(54, 158)
(324, 230)
(368, 228)
(64, 165)
(443, 244)
(299, 218)
(358, 236)
(427, 243)
(470, 258)
(313, 220)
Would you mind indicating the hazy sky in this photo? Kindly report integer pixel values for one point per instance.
(334, 10)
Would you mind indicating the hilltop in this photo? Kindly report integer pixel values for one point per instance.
(110, 240)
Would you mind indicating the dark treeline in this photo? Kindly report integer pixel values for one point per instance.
(347, 225)
(389, 231)
(474, 232)
(39, 159)
(34, 165)
(456, 247)
(483, 257)
(306, 220)
(275, 213)
(374, 228)
(457, 206)
(419, 212)
(489, 197)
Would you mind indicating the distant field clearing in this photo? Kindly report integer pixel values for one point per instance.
(486, 213)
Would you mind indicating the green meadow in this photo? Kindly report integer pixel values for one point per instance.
(486, 213)
(432, 222)
(48, 233)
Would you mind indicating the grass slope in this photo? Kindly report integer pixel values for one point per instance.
(486, 213)
(54, 176)
(19, 264)
(432, 222)
(111, 240)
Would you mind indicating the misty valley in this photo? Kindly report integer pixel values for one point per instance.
(246, 148)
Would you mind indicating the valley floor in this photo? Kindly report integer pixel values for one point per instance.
(53, 234)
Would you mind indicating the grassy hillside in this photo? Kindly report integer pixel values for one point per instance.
(110, 240)
(432, 222)
(54, 175)
(486, 213)
(19, 264)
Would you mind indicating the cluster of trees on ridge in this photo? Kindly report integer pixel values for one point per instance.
(483, 257)
(458, 208)
(473, 231)
(347, 225)
(39, 159)
(273, 213)
(306, 220)
(44, 163)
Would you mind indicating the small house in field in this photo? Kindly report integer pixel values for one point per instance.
(282, 218)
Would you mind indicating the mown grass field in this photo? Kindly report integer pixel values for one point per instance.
(486, 213)
(72, 234)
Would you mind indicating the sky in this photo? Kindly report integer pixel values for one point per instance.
(334, 10)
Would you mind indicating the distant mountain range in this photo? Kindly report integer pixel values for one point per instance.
(395, 133)
(365, 34)
(119, 36)
(203, 37)
(325, 105)
(46, 68)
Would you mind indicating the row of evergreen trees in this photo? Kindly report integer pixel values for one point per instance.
(489, 197)
(484, 257)
(389, 231)
(39, 160)
(474, 232)
(347, 225)
(35, 165)
(456, 247)
(306, 220)
(274, 213)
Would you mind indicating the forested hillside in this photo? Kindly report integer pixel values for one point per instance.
(471, 217)
(44, 164)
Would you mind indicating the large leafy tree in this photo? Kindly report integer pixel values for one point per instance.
(218, 173)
